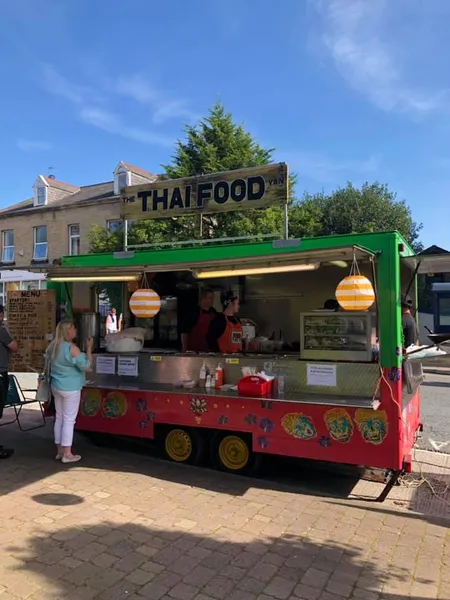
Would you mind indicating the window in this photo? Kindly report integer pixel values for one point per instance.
(30, 285)
(41, 195)
(74, 239)
(122, 178)
(113, 226)
(40, 243)
(8, 246)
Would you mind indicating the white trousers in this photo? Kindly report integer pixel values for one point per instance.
(66, 406)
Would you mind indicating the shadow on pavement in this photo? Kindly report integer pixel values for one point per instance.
(114, 561)
(438, 384)
(34, 460)
(57, 499)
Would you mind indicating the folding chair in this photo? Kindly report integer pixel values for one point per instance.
(16, 400)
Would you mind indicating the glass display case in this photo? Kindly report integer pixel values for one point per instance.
(346, 336)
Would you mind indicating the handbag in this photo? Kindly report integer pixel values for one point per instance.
(44, 392)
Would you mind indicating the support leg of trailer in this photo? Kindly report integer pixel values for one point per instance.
(389, 485)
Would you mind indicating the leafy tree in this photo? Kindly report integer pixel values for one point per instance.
(373, 207)
(217, 143)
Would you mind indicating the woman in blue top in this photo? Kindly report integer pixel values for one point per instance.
(67, 366)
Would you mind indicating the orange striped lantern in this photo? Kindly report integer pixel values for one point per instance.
(145, 303)
(355, 292)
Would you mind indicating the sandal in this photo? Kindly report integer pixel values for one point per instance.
(70, 459)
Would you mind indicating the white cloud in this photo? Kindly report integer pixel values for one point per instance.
(137, 87)
(327, 170)
(33, 145)
(59, 86)
(353, 35)
(111, 123)
(88, 104)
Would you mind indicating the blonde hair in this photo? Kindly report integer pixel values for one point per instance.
(60, 337)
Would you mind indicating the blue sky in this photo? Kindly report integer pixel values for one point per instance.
(343, 89)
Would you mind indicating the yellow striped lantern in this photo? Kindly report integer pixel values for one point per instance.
(355, 292)
(145, 303)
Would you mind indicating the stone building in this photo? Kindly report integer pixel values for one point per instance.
(56, 222)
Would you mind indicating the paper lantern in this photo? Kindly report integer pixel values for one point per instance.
(145, 304)
(355, 292)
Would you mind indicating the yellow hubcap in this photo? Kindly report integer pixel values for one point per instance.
(233, 453)
(178, 445)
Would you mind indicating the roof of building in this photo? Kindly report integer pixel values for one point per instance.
(139, 171)
(75, 194)
(60, 185)
(85, 194)
(434, 250)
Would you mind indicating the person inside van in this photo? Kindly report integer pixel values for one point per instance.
(225, 331)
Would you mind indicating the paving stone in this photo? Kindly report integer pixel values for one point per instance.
(219, 587)
(141, 532)
(153, 591)
(306, 592)
(139, 577)
(280, 587)
(199, 576)
(183, 591)
(250, 585)
(315, 578)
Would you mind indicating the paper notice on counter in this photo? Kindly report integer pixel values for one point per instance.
(127, 366)
(105, 365)
(321, 375)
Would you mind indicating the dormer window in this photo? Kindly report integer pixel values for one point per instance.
(40, 192)
(121, 179)
(41, 195)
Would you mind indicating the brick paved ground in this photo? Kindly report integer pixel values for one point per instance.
(121, 526)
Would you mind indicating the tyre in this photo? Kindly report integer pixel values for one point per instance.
(184, 445)
(233, 453)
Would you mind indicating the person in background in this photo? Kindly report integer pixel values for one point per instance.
(194, 329)
(68, 366)
(7, 347)
(409, 325)
(225, 331)
(113, 323)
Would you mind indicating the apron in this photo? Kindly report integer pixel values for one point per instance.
(197, 337)
(230, 341)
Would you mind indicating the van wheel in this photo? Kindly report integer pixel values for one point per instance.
(184, 445)
(233, 453)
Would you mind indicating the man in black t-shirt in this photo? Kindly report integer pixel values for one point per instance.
(409, 325)
(7, 346)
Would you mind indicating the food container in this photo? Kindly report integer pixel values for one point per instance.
(126, 341)
(254, 385)
(248, 329)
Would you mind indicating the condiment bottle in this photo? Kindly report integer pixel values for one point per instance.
(219, 376)
(280, 385)
(203, 374)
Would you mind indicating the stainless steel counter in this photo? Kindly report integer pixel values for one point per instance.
(157, 372)
(117, 383)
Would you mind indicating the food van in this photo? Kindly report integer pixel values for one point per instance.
(342, 391)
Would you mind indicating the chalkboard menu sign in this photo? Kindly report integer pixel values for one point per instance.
(31, 322)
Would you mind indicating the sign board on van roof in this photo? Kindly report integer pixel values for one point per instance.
(256, 187)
